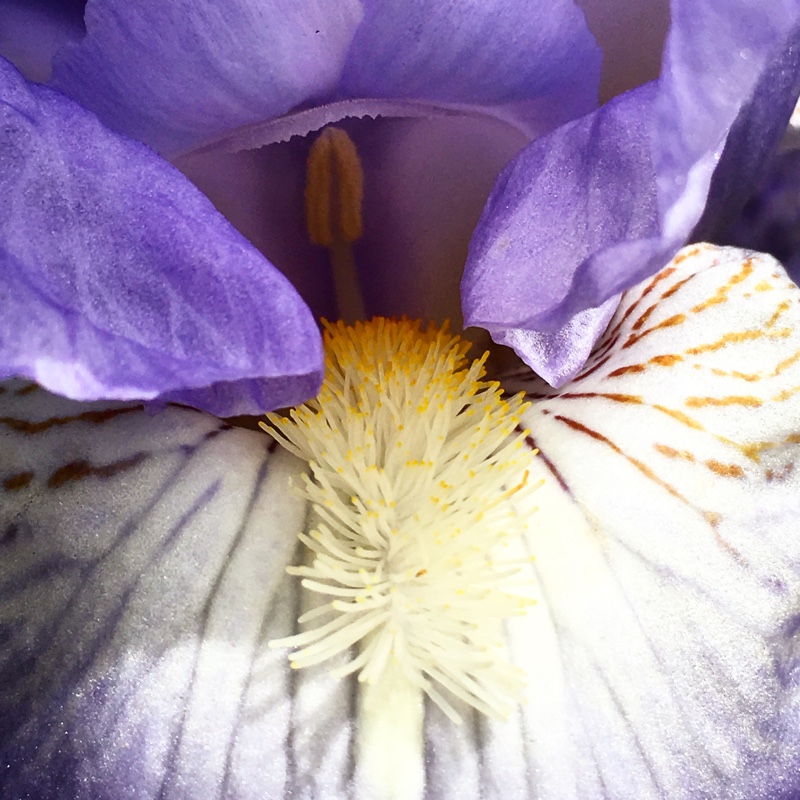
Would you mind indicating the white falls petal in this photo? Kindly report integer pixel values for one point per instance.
(667, 546)
(142, 573)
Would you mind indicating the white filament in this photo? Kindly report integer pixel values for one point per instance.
(412, 457)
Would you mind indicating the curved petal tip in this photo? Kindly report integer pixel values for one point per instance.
(122, 280)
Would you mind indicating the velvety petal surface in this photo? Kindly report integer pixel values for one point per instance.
(122, 281)
(690, 143)
(142, 572)
(175, 75)
(584, 192)
(734, 101)
(141, 580)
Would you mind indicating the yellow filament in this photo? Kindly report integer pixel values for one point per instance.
(334, 189)
(334, 196)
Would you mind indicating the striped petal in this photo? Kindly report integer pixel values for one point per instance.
(600, 204)
(142, 575)
(142, 569)
(667, 556)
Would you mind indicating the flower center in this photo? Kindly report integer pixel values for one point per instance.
(426, 181)
(413, 457)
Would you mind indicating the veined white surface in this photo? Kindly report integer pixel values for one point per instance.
(142, 574)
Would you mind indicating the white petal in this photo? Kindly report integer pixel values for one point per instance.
(663, 656)
(142, 574)
(139, 585)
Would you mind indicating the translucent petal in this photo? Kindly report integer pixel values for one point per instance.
(174, 74)
(598, 205)
(120, 280)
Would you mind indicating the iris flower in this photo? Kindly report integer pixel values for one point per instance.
(143, 569)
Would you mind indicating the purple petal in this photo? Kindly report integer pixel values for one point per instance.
(122, 281)
(261, 192)
(182, 73)
(493, 53)
(421, 207)
(32, 31)
(733, 99)
(770, 221)
(563, 232)
(560, 355)
(547, 212)
(174, 74)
